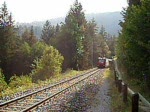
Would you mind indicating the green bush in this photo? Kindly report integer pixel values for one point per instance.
(3, 84)
(48, 65)
(18, 81)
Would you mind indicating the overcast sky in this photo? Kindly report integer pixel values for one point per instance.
(38, 10)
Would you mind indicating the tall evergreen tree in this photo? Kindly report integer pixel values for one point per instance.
(8, 40)
(5, 17)
(89, 44)
(48, 32)
(57, 29)
(32, 38)
(26, 35)
(29, 37)
(103, 32)
(111, 42)
(75, 22)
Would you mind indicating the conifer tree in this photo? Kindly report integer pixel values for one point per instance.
(57, 31)
(47, 32)
(5, 17)
(26, 35)
(29, 37)
(103, 32)
(75, 23)
(89, 44)
(8, 40)
(32, 38)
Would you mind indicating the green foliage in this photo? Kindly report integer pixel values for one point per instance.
(111, 42)
(22, 60)
(134, 2)
(89, 44)
(5, 17)
(47, 32)
(15, 88)
(48, 65)
(73, 39)
(26, 35)
(103, 32)
(78, 40)
(29, 37)
(17, 84)
(18, 81)
(32, 37)
(75, 23)
(38, 49)
(3, 84)
(25, 57)
(134, 42)
(26, 49)
(106, 43)
(9, 41)
(103, 48)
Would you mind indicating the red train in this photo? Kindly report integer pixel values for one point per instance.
(101, 63)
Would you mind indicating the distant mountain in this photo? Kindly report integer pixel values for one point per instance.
(109, 20)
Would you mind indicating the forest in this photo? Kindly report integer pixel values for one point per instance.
(73, 44)
(109, 20)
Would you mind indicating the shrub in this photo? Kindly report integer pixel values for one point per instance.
(3, 84)
(18, 81)
(48, 65)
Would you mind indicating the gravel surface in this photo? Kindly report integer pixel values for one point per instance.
(94, 97)
(103, 99)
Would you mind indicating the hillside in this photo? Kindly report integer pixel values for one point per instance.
(109, 20)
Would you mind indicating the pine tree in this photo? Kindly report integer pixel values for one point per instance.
(48, 32)
(32, 38)
(89, 44)
(103, 32)
(5, 17)
(26, 35)
(8, 40)
(57, 28)
(75, 22)
(29, 37)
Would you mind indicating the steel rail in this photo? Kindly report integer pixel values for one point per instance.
(5, 104)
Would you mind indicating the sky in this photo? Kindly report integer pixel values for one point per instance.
(39, 10)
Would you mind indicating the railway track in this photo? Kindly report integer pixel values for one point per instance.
(24, 93)
(49, 96)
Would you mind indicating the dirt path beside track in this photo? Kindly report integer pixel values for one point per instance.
(103, 98)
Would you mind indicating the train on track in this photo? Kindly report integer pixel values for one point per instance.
(102, 62)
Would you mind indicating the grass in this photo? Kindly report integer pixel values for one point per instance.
(117, 104)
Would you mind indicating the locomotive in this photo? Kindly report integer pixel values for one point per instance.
(101, 62)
